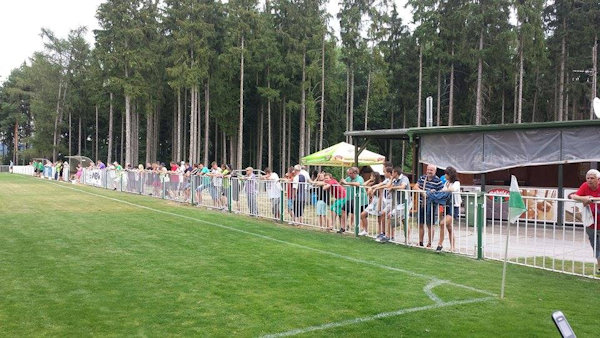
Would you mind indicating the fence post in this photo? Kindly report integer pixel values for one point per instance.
(192, 188)
(405, 220)
(121, 180)
(141, 177)
(356, 210)
(162, 179)
(480, 223)
(229, 200)
(281, 206)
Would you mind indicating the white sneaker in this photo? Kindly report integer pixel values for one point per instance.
(363, 233)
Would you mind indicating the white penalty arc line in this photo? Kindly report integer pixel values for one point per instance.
(377, 316)
(329, 253)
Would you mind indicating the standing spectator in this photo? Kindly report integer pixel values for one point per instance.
(66, 169)
(101, 165)
(323, 196)
(204, 181)
(400, 201)
(216, 184)
(251, 191)
(78, 173)
(354, 191)
(374, 206)
(273, 191)
(337, 192)
(234, 180)
(225, 172)
(290, 192)
(452, 186)
(427, 211)
(589, 194)
(299, 192)
(57, 170)
(10, 167)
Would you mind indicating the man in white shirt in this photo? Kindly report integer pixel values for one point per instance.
(273, 191)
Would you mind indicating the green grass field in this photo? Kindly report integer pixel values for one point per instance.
(81, 261)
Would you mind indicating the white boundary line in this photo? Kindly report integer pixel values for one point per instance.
(377, 316)
(329, 253)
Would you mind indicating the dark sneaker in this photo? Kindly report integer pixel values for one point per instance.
(341, 231)
(438, 249)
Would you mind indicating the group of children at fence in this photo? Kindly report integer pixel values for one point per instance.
(336, 204)
(59, 170)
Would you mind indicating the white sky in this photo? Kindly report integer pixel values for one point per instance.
(21, 22)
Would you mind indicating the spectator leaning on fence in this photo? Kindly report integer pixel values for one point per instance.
(400, 201)
(273, 191)
(354, 191)
(427, 212)
(588, 193)
(251, 191)
(299, 186)
(451, 185)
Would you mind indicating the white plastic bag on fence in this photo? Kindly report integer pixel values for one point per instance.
(587, 218)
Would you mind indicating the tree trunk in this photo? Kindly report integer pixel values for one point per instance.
(367, 100)
(96, 148)
(439, 93)
(302, 128)
(451, 95)
(110, 129)
(259, 151)
(269, 131)
(503, 106)
(128, 150)
(347, 100)
(289, 140)
(520, 109)
(594, 73)
(149, 134)
(206, 120)
(535, 94)
(351, 121)
(122, 138)
(193, 123)
(479, 98)
(322, 93)
(241, 126)
(563, 57)
(420, 85)
(79, 139)
(177, 144)
(70, 131)
(284, 144)
(516, 99)
(55, 138)
(16, 143)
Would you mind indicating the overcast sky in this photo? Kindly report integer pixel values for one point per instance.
(22, 20)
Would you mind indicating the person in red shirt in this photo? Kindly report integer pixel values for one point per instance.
(589, 195)
(339, 193)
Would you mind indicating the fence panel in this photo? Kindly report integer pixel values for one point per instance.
(539, 238)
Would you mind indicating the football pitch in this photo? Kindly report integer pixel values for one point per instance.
(81, 261)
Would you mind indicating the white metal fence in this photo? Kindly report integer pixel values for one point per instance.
(550, 234)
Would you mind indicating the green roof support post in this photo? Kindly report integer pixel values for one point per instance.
(405, 220)
(480, 224)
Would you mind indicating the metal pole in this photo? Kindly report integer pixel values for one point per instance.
(480, 223)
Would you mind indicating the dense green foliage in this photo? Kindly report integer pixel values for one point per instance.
(197, 80)
(82, 261)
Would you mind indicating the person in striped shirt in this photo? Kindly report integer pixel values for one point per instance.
(427, 212)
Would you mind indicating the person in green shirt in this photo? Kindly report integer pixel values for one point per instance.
(225, 171)
(354, 192)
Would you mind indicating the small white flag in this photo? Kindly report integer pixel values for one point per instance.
(516, 206)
